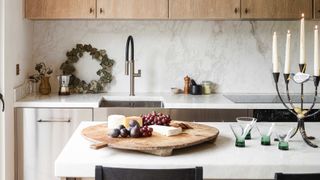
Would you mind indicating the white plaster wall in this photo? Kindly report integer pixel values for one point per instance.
(17, 49)
(234, 54)
(2, 147)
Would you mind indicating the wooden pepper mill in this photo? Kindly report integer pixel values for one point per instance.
(186, 89)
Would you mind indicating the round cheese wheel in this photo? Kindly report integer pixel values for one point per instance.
(115, 120)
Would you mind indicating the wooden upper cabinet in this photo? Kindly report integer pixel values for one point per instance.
(132, 9)
(275, 9)
(60, 9)
(204, 9)
(171, 9)
(316, 9)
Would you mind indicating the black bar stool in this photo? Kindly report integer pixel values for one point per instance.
(281, 176)
(107, 173)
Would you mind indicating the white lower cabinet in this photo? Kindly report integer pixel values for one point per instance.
(41, 134)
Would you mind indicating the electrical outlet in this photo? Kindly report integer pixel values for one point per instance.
(17, 69)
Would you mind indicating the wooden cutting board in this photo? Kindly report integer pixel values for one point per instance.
(156, 144)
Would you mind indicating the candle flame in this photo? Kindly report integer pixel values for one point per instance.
(288, 31)
(302, 15)
(274, 33)
(316, 27)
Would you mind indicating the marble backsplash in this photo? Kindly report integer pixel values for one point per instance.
(236, 55)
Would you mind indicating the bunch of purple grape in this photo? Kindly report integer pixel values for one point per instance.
(134, 131)
(146, 131)
(156, 118)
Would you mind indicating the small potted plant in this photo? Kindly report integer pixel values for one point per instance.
(42, 75)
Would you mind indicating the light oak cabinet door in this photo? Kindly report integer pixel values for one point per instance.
(275, 9)
(132, 9)
(204, 9)
(316, 9)
(60, 9)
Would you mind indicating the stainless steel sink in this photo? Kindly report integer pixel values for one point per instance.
(136, 108)
(131, 104)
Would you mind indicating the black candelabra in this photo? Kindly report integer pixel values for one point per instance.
(299, 112)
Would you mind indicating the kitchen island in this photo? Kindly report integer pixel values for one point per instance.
(220, 160)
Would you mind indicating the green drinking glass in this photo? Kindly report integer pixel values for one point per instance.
(240, 132)
(247, 121)
(283, 145)
(265, 130)
(284, 132)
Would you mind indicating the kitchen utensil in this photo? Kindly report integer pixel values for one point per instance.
(64, 84)
(186, 88)
(196, 89)
(193, 82)
(156, 144)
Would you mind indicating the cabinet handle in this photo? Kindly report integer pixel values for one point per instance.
(91, 10)
(246, 10)
(236, 10)
(2, 101)
(101, 11)
(53, 121)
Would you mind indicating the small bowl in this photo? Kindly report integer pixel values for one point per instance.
(176, 90)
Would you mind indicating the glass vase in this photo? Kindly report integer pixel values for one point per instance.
(44, 87)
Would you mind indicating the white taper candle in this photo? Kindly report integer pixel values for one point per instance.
(275, 60)
(302, 42)
(316, 52)
(287, 55)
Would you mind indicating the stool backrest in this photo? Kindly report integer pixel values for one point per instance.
(281, 176)
(107, 173)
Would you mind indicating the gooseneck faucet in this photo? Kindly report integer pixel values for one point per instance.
(129, 64)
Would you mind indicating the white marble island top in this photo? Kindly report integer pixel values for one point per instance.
(221, 160)
(213, 101)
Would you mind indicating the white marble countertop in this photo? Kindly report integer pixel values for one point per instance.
(213, 101)
(221, 160)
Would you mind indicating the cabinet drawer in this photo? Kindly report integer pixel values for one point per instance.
(41, 134)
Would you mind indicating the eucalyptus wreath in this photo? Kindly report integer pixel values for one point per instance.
(94, 86)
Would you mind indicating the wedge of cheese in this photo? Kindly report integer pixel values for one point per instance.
(136, 118)
(166, 130)
(114, 121)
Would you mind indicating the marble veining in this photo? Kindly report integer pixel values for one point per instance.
(236, 55)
